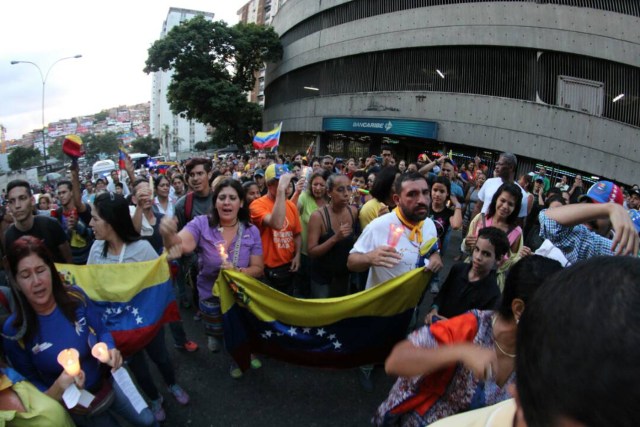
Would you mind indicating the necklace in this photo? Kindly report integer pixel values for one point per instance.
(495, 341)
(222, 227)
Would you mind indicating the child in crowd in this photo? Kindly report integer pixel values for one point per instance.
(472, 285)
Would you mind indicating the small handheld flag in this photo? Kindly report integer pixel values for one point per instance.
(264, 140)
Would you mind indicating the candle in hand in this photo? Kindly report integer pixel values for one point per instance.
(151, 186)
(101, 352)
(69, 359)
(223, 252)
(395, 231)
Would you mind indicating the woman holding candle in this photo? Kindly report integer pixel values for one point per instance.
(222, 239)
(56, 318)
(331, 237)
(118, 242)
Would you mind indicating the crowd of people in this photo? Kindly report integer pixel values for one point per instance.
(322, 227)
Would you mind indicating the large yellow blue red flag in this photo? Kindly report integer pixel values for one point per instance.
(135, 299)
(264, 140)
(343, 332)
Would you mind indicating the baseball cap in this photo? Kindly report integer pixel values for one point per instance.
(604, 192)
(422, 157)
(634, 191)
(275, 171)
(635, 218)
(258, 172)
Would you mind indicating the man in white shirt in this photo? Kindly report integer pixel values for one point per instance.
(371, 250)
(505, 171)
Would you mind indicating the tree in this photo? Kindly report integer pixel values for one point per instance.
(24, 157)
(214, 65)
(55, 149)
(201, 146)
(99, 146)
(101, 116)
(147, 144)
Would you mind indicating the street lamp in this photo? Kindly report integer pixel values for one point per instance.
(44, 82)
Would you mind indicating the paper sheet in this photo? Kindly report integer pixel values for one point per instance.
(130, 390)
(71, 396)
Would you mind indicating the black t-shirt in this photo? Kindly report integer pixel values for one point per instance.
(458, 295)
(45, 228)
(442, 221)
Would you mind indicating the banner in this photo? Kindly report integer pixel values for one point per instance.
(264, 140)
(135, 299)
(345, 332)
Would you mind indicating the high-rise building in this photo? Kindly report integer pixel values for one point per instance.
(175, 133)
(556, 82)
(259, 12)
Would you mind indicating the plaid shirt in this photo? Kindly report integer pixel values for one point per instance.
(576, 242)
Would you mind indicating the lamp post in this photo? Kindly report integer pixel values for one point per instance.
(43, 78)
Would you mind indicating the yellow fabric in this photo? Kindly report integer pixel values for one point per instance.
(369, 212)
(498, 415)
(5, 382)
(40, 410)
(77, 241)
(108, 280)
(416, 229)
(267, 304)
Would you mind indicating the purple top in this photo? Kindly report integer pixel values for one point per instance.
(209, 260)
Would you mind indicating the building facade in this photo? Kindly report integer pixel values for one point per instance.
(259, 12)
(553, 81)
(175, 133)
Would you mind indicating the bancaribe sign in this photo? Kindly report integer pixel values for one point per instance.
(414, 128)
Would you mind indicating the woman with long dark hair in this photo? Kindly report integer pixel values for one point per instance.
(225, 231)
(55, 317)
(118, 242)
(503, 214)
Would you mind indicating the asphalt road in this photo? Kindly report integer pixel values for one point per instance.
(278, 394)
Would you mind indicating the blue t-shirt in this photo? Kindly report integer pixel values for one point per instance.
(37, 359)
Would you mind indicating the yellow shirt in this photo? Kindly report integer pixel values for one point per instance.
(369, 212)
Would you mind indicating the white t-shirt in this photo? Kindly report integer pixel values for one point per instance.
(137, 251)
(375, 235)
(490, 187)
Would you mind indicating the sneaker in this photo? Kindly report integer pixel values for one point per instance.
(235, 372)
(364, 376)
(178, 392)
(189, 346)
(213, 344)
(157, 410)
(256, 363)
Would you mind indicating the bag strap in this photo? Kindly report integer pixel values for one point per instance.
(188, 206)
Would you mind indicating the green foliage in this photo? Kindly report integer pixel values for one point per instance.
(55, 149)
(201, 146)
(24, 157)
(95, 145)
(147, 144)
(214, 65)
(101, 116)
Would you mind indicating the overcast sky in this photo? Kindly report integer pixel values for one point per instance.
(112, 37)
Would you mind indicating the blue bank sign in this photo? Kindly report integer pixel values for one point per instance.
(414, 128)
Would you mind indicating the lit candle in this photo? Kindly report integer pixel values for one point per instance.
(395, 231)
(151, 185)
(451, 154)
(101, 352)
(69, 359)
(223, 252)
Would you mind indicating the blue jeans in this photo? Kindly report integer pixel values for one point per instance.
(157, 351)
(120, 406)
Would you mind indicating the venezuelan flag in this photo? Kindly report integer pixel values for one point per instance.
(343, 332)
(135, 299)
(264, 140)
(122, 157)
